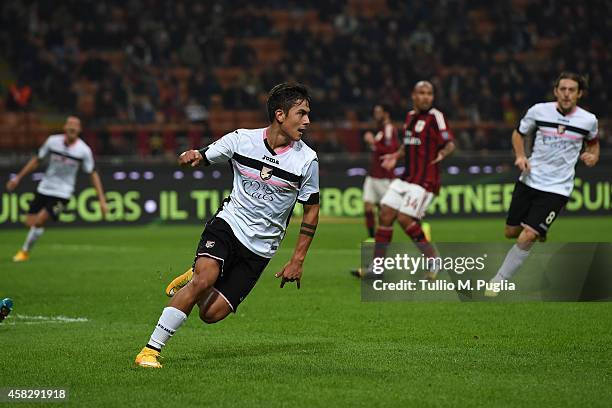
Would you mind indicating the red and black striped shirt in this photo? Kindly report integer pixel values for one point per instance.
(425, 133)
(385, 142)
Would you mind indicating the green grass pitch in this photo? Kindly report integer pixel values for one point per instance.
(316, 347)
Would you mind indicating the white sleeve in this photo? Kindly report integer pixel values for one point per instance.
(593, 131)
(309, 187)
(44, 149)
(528, 123)
(221, 150)
(88, 162)
(388, 134)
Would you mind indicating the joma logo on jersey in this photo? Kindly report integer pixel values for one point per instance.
(265, 173)
(270, 159)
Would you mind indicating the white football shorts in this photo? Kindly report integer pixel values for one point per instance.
(374, 189)
(407, 198)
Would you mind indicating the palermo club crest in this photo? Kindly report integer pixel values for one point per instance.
(265, 173)
(561, 129)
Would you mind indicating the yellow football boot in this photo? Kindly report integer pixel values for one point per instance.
(427, 230)
(431, 275)
(148, 358)
(21, 256)
(179, 282)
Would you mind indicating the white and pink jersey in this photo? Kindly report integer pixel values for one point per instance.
(266, 186)
(558, 141)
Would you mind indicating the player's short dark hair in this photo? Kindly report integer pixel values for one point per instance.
(285, 96)
(580, 80)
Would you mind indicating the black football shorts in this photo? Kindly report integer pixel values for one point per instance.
(240, 268)
(53, 205)
(533, 208)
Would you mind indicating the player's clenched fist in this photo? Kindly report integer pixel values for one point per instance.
(12, 184)
(190, 157)
(522, 163)
(589, 159)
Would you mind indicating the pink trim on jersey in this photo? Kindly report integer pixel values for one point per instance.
(548, 133)
(277, 150)
(256, 177)
(284, 149)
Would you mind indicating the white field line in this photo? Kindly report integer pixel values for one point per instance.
(18, 319)
(95, 248)
(325, 251)
(114, 249)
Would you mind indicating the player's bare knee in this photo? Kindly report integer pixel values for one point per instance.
(526, 238)
(512, 231)
(214, 313)
(210, 318)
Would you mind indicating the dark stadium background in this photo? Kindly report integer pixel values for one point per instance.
(152, 78)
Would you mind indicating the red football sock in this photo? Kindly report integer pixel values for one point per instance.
(415, 232)
(383, 237)
(370, 222)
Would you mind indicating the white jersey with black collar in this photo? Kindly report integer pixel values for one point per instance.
(557, 145)
(64, 162)
(266, 186)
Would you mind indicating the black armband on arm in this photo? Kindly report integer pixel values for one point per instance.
(308, 233)
(308, 229)
(203, 153)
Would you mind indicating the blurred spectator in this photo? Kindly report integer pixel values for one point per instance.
(202, 86)
(132, 62)
(19, 97)
(190, 53)
(196, 112)
(242, 55)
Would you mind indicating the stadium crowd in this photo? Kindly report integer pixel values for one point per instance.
(145, 61)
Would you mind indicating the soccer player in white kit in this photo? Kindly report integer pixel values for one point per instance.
(547, 176)
(273, 169)
(67, 153)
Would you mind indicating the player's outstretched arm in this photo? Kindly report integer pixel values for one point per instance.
(30, 166)
(590, 156)
(519, 150)
(97, 183)
(292, 271)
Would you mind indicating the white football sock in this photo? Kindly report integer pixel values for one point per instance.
(33, 235)
(169, 322)
(514, 259)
